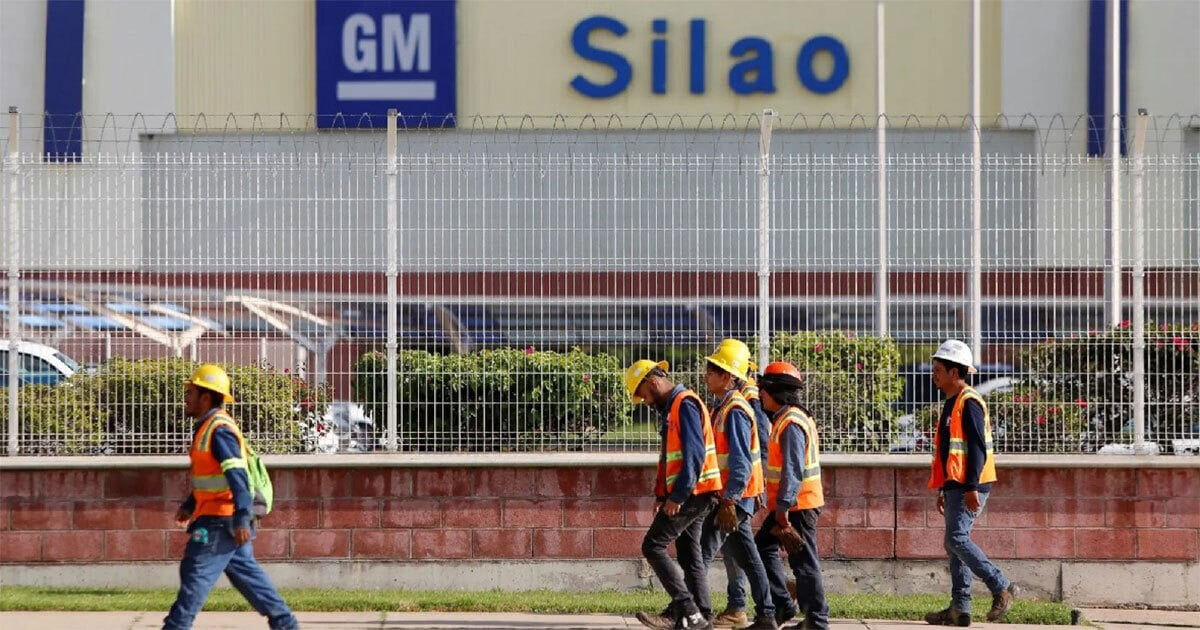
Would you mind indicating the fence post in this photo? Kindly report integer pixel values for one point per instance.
(14, 277)
(393, 220)
(881, 274)
(1139, 285)
(1114, 165)
(764, 238)
(975, 308)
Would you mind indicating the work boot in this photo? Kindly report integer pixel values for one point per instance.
(784, 615)
(694, 621)
(948, 617)
(1002, 601)
(763, 622)
(658, 621)
(731, 618)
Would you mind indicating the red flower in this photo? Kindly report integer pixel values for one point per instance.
(1081, 402)
(1164, 327)
(529, 350)
(1180, 343)
(818, 347)
(1124, 323)
(1041, 419)
(858, 367)
(587, 378)
(1053, 410)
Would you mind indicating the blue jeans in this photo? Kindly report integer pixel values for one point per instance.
(965, 556)
(741, 555)
(212, 551)
(737, 583)
(805, 566)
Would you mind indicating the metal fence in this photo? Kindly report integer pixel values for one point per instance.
(516, 268)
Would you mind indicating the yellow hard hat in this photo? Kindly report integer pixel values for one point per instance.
(732, 356)
(636, 373)
(213, 378)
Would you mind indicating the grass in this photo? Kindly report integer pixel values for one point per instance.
(900, 607)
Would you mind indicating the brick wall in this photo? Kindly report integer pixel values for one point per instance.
(90, 515)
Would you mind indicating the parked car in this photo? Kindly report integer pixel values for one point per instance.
(39, 365)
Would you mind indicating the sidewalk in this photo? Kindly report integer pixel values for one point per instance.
(384, 621)
(1106, 619)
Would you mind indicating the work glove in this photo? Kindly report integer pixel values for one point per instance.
(789, 538)
(727, 517)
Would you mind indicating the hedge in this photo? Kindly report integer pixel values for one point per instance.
(58, 420)
(497, 400)
(137, 407)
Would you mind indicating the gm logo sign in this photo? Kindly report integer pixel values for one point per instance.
(376, 55)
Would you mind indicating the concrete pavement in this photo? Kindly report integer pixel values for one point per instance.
(1106, 619)
(383, 621)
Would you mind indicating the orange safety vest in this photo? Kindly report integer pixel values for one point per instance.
(754, 487)
(209, 486)
(956, 461)
(670, 461)
(750, 389)
(811, 494)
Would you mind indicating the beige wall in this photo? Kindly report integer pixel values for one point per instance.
(245, 57)
(515, 56)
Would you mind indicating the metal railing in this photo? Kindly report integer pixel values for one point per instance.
(482, 256)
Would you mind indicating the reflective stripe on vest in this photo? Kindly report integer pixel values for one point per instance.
(754, 486)
(209, 485)
(670, 463)
(750, 389)
(811, 494)
(956, 453)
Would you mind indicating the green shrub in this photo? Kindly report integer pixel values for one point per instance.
(850, 383)
(55, 420)
(496, 400)
(1096, 371)
(142, 403)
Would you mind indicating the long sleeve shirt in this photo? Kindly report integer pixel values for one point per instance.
(762, 422)
(691, 434)
(737, 435)
(225, 446)
(792, 442)
(975, 444)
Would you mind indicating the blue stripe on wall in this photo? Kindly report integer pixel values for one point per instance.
(63, 128)
(1098, 71)
(1097, 84)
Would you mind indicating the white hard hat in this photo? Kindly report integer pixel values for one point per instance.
(955, 351)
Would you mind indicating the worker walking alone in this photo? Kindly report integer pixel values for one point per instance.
(963, 471)
(795, 497)
(218, 513)
(742, 485)
(686, 489)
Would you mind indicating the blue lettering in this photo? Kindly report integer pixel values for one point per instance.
(762, 65)
(841, 64)
(620, 65)
(658, 58)
(696, 57)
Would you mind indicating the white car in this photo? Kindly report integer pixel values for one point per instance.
(40, 364)
(912, 439)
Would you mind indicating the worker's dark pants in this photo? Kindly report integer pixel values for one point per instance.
(805, 565)
(686, 581)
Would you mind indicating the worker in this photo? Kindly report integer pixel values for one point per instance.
(735, 577)
(795, 497)
(738, 455)
(963, 471)
(218, 511)
(685, 489)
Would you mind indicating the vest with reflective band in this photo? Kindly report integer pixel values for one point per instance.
(811, 494)
(750, 389)
(209, 486)
(754, 487)
(956, 460)
(670, 461)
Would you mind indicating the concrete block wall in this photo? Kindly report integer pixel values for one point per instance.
(423, 513)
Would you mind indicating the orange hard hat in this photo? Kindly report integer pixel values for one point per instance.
(783, 367)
